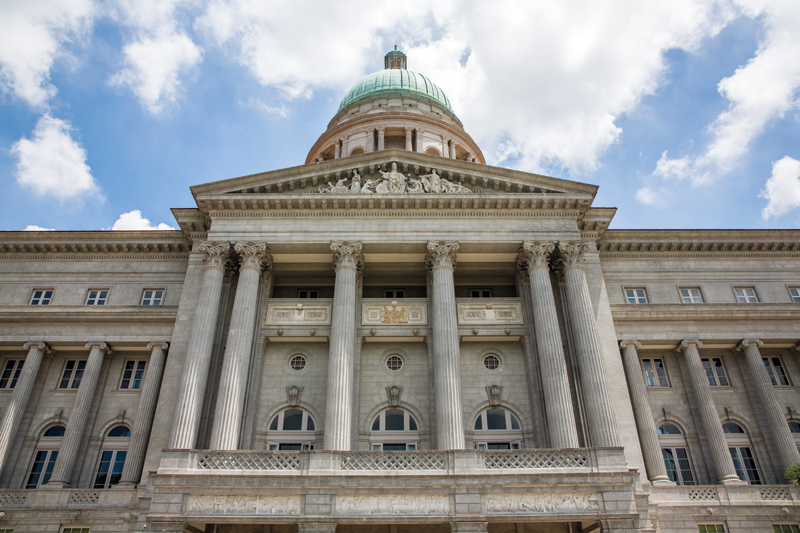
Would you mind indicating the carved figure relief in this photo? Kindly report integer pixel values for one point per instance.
(299, 314)
(556, 502)
(389, 505)
(413, 314)
(293, 394)
(242, 504)
(477, 314)
(393, 394)
(394, 314)
(394, 182)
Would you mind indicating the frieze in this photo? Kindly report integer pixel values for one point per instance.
(298, 314)
(219, 504)
(394, 182)
(555, 502)
(431, 504)
(489, 314)
(394, 314)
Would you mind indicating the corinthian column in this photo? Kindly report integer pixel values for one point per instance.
(408, 139)
(370, 140)
(347, 261)
(726, 473)
(337, 149)
(381, 133)
(140, 435)
(198, 354)
(236, 364)
(772, 408)
(648, 435)
(71, 442)
(534, 258)
(452, 148)
(20, 396)
(599, 413)
(441, 261)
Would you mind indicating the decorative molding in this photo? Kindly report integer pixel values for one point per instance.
(573, 253)
(298, 315)
(441, 254)
(393, 394)
(704, 312)
(253, 255)
(556, 502)
(623, 344)
(293, 395)
(162, 344)
(72, 249)
(39, 344)
(216, 253)
(534, 253)
(489, 314)
(432, 504)
(220, 504)
(347, 254)
(394, 314)
(495, 394)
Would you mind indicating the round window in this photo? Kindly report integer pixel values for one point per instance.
(394, 362)
(491, 362)
(298, 362)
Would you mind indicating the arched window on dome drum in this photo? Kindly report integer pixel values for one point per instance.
(394, 429)
(741, 452)
(676, 454)
(112, 457)
(432, 151)
(497, 429)
(356, 151)
(44, 458)
(291, 429)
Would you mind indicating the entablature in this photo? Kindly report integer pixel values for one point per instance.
(622, 244)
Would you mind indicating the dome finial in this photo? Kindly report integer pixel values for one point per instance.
(395, 59)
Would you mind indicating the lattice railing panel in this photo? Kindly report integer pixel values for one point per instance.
(393, 461)
(535, 459)
(702, 494)
(16, 497)
(775, 494)
(259, 460)
(84, 497)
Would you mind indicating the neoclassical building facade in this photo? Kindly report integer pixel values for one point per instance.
(396, 337)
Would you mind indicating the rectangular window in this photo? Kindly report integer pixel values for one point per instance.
(97, 297)
(132, 375)
(746, 295)
(776, 372)
(654, 373)
(109, 471)
(679, 469)
(745, 464)
(715, 372)
(785, 528)
(480, 293)
(42, 468)
(794, 292)
(308, 293)
(710, 528)
(73, 373)
(635, 296)
(152, 296)
(41, 296)
(11, 371)
(394, 293)
(691, 296)
(75, 530)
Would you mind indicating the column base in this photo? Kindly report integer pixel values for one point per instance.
(55, 484)
(662, 481)
(731, 480)
(127, 485)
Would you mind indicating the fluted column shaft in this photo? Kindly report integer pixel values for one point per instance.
(337, 149)
(723, 463)
(236, 364)
(198, 354)
(441, 261)
(347, 261)
(19, 398)
(409, 144)
(140, 435)
(370, 140)
(534, 257)
(599, 412)
(381, 134)
(452, 149)
(648, 434)
(769, 401)
(73, 433)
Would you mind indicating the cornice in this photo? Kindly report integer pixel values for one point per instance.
(638, 244)
(82, 313)
(88, 244)
(703, 312)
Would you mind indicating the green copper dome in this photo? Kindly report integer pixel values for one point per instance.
(392, 80)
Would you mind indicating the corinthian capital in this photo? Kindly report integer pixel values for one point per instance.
(534, 253)
(216, 252)
(347, 254)
(441, 253)
(572, 253)
(253, 255)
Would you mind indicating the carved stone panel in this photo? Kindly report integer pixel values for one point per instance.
(555, 502)
(430, 504)
(298, 315)
(394, 314)
(217, 504)
(489, 314)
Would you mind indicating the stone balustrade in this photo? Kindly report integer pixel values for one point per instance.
(725, 496)
(53, 499)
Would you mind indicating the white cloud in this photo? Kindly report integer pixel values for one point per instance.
(33, 227)
(646, 195)
(782, 189)
(133, 221)
(31, 37)
(53, 163)
(161, 54)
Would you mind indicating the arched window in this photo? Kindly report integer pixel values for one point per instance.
(112, 457)
(291, 429)
(676, 454)
(497, 429)
(739, 447)
(44, 458)
(394, 429)
(794, 427)
(432, 151)
(357, 151)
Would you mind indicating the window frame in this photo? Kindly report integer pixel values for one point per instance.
(674, 442)
(483, 292)
(153, 298)
(636, 296)
(97, 299)
(137, 362)
(40, 300)
(394, 293)
(779, 528)
(115, 446)
(745, 296)
(484, 436)
(739, 442)
(309, 290)
(15, 371)
(714, 370)
(74, 529)
(51, 446)
(382, 436)
(769, 365)
(716, 527)
(658, 384)
(794, 299)
(73, 373)
(305, 438)
(691, 297)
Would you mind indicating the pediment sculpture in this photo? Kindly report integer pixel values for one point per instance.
(394, 182)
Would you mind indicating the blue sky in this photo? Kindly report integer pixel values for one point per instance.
(685, 114)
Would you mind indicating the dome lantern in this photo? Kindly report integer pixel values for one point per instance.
(395, 59)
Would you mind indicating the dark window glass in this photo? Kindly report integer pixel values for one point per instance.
(43, 463)
(496, 418)
(119, 431)
(394, 447)
(292, 420)
(310, 424)
(479, 422)
(412, 424)
(291, 447)
(55, 431)
(730, 427)
(499, 446)
(394, 420)
(668, 429)
(376, 426)
(514, 422)
(274, 425)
